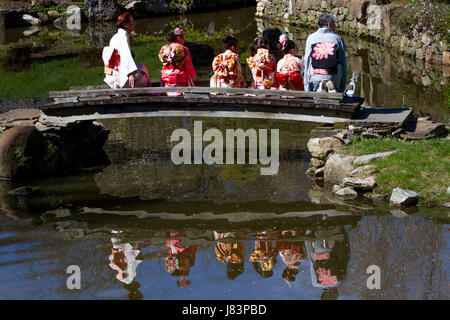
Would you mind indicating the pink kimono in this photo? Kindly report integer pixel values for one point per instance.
(178, 69)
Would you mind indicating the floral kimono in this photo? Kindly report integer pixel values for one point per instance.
(289, 73)
(178, 70)
(229, 252)
(263, 67)
(265, 252)
(227, 71)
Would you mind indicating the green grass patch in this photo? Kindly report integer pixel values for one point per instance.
(422, 166)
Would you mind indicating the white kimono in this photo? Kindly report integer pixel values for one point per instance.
(120, 42)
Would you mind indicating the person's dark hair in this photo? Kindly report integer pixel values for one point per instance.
(173, 35)
(234, 270)
(229, 40)
(327, 19)
(262, 42)
(262, 273)
(259, 42)
(289, 274)
(288, 46)
(122, 19)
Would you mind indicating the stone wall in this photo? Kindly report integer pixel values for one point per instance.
(373, 19)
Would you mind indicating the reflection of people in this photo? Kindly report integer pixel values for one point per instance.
(226, 66)
(289, 68)
(232, 253)
(124, 259)
(120, 68)
(329, 258)
(178, 69)
(292, 253)
(262, 64)
(264, 255)
(325, 56)
(180, 259)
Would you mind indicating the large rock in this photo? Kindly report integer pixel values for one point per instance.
(42, 3)
(101, 10)
(337, 168)
(202, 54)
(403, 197)
(31, 20)
(157, 7)
(25, 153)
(79, 144)
(370, 157)
(364, 171)
(360, 183)
(320, 148)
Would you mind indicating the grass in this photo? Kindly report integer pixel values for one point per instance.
(422, 166)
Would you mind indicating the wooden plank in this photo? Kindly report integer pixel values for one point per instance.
(208, 101)
(236, 91)
(382, 116)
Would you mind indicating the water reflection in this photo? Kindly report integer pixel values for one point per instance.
(326, 252)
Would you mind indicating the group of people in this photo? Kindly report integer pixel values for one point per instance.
(328, 255)
(323, 65)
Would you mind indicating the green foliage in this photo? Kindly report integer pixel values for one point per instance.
(47, 9)
(426, 16)
(422, 166)
(180, 5)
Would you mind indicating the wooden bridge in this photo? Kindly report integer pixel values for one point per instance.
(100, 102)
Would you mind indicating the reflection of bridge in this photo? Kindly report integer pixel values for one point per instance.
(99, 102)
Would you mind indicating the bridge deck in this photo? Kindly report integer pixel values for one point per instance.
(100, 102)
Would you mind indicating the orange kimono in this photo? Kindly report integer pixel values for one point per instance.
(263, 67)
(227, 71)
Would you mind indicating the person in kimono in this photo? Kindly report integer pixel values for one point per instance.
(178, 69)
(231, 253)
(120, 69)
(289, 68)
(180, 259)
(226, 66)
(262, 64)
(292, 253)
(264, 255)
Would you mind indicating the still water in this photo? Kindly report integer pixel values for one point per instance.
(144, 228)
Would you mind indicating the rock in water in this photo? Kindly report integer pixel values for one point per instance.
(345, 192)
(321, 147)
(337, 168)
(25, 153)
(403, 197)
(360, 183)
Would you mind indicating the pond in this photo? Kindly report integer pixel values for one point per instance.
(145, 228)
